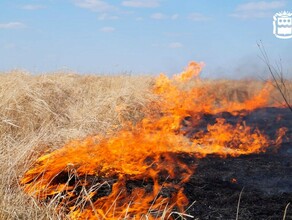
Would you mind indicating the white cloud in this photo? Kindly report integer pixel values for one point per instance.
(33, 7)
(259, 9)
(106, 16)
(94, 5)
(175, 45)
(142, 3)
(251, 14)
(12, 25)
(262, 5)
(161, 16)
(198, 17)
(158, 16)
(107, 29)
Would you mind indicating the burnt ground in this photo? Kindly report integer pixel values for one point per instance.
(266, 179)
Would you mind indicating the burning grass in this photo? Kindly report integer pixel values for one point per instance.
(142, 146)
(41, 113)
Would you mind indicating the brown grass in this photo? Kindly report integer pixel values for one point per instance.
(42, 112)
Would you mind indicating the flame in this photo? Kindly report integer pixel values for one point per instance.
(192, 71)
(141, 170)
(233, 180)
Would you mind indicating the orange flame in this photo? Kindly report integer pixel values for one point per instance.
(142, 169)
(233, 180)
(192, 71)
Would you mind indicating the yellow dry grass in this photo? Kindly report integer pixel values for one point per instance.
(42, 112)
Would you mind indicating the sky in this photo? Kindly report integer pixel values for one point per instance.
(142, 36)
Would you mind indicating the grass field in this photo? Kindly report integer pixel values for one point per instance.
(40, 113)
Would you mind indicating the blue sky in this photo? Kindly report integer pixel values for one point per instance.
(141, 36)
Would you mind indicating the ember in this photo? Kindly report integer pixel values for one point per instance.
(142, 170)
(233, 180)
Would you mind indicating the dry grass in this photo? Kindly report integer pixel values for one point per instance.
(39, 113)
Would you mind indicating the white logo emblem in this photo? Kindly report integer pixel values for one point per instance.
(283, 25)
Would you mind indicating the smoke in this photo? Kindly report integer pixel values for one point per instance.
(251, 67)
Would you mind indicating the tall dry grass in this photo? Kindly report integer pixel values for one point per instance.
(42, 112)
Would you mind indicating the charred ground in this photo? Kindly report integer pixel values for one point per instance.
(266, 179)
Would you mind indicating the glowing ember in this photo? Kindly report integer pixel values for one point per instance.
(233, 180)
(142, 169)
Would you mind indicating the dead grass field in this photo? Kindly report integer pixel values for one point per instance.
(42, 112)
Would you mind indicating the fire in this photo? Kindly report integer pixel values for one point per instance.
(233, 180)
(192, 71)
(141, 170)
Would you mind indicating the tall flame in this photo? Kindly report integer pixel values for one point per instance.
(141, 170)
